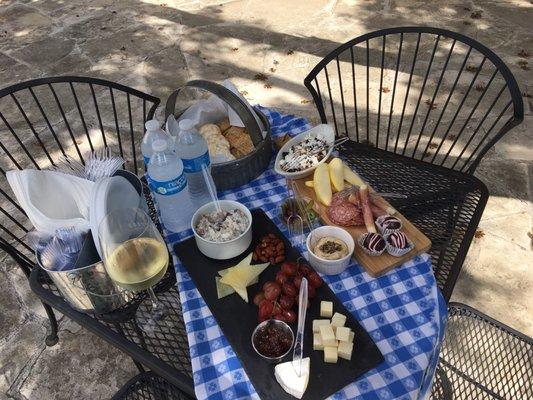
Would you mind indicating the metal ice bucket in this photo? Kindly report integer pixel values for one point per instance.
(89, 289)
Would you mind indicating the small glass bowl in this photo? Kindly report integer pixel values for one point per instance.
(284, 326)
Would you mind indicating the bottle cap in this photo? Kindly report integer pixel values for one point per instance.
(159, 145)
(186, 124)
(152, 125)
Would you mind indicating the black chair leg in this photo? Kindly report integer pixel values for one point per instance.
(52, 338)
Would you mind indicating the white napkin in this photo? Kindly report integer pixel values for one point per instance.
(52, 199)
(214, 109)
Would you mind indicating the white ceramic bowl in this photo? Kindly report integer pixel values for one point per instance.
(322, 131)
(223, 250)
(329, 267)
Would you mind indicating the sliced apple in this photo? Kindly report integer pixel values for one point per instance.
(336, 174)
(351, 176)
(322, 184)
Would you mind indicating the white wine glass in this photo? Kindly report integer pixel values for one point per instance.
(135, 257)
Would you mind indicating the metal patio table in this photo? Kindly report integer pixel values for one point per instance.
(446, 202)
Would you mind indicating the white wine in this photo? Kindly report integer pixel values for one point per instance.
(138, 263)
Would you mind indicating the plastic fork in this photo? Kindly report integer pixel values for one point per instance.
(298, 350)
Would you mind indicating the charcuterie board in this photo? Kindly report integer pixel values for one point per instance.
(238, 319)
(383, 263)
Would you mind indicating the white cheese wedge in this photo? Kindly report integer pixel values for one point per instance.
(317, 342)
(326, 309)
(330, 354)
(337, 319)
(345, 350)
(327, 335)
(342, 333)
(317, 323)
(288, 379)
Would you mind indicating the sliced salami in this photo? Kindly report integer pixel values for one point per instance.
(345, 214)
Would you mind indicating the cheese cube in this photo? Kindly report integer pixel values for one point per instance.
(326, 309)
(330, 354)
(342, 333)
(327, 335)
(317, 342)
(338, 319)
(318, 322)
(351, 337)
(345, 350)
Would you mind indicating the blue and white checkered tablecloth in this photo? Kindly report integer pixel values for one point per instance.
(402, 311)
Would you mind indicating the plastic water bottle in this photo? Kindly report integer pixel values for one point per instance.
(153, 133)
(167, 181)
(191, 147)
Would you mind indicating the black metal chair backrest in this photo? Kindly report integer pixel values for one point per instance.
(44, 119)
(425, 93)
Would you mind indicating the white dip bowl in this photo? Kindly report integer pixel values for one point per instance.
(322, 131)
(223, 250)
(329, 267)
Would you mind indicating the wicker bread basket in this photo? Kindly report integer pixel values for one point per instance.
(235, 173)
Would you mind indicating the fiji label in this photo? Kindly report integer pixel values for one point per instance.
(195, 164)
(168, 188)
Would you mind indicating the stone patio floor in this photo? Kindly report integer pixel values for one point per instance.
(156, 46)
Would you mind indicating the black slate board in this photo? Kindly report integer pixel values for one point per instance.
(238, 319)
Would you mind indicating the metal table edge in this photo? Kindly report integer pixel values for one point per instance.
(142, 356)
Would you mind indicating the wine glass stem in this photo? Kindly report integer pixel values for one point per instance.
(154, 300)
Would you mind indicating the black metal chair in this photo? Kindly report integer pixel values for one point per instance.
(44, 119)
(422, 106)
(482, 358)
(148, 386)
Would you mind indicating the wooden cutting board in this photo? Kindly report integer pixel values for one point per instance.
(379, 265)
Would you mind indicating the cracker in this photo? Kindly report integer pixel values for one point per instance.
(224, 125)
(239, 140)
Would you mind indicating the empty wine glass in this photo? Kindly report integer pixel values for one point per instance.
(135, 257)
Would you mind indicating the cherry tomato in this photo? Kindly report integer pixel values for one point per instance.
(289, 268)
(290, 316)
(272, 291)
(286, 302)
(315, 280)
(289, 289)
(304, 269)
(281, 277)
(258, 298)
(297, 281)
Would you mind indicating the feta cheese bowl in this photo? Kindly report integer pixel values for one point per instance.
(222, 235)
(300, 152)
